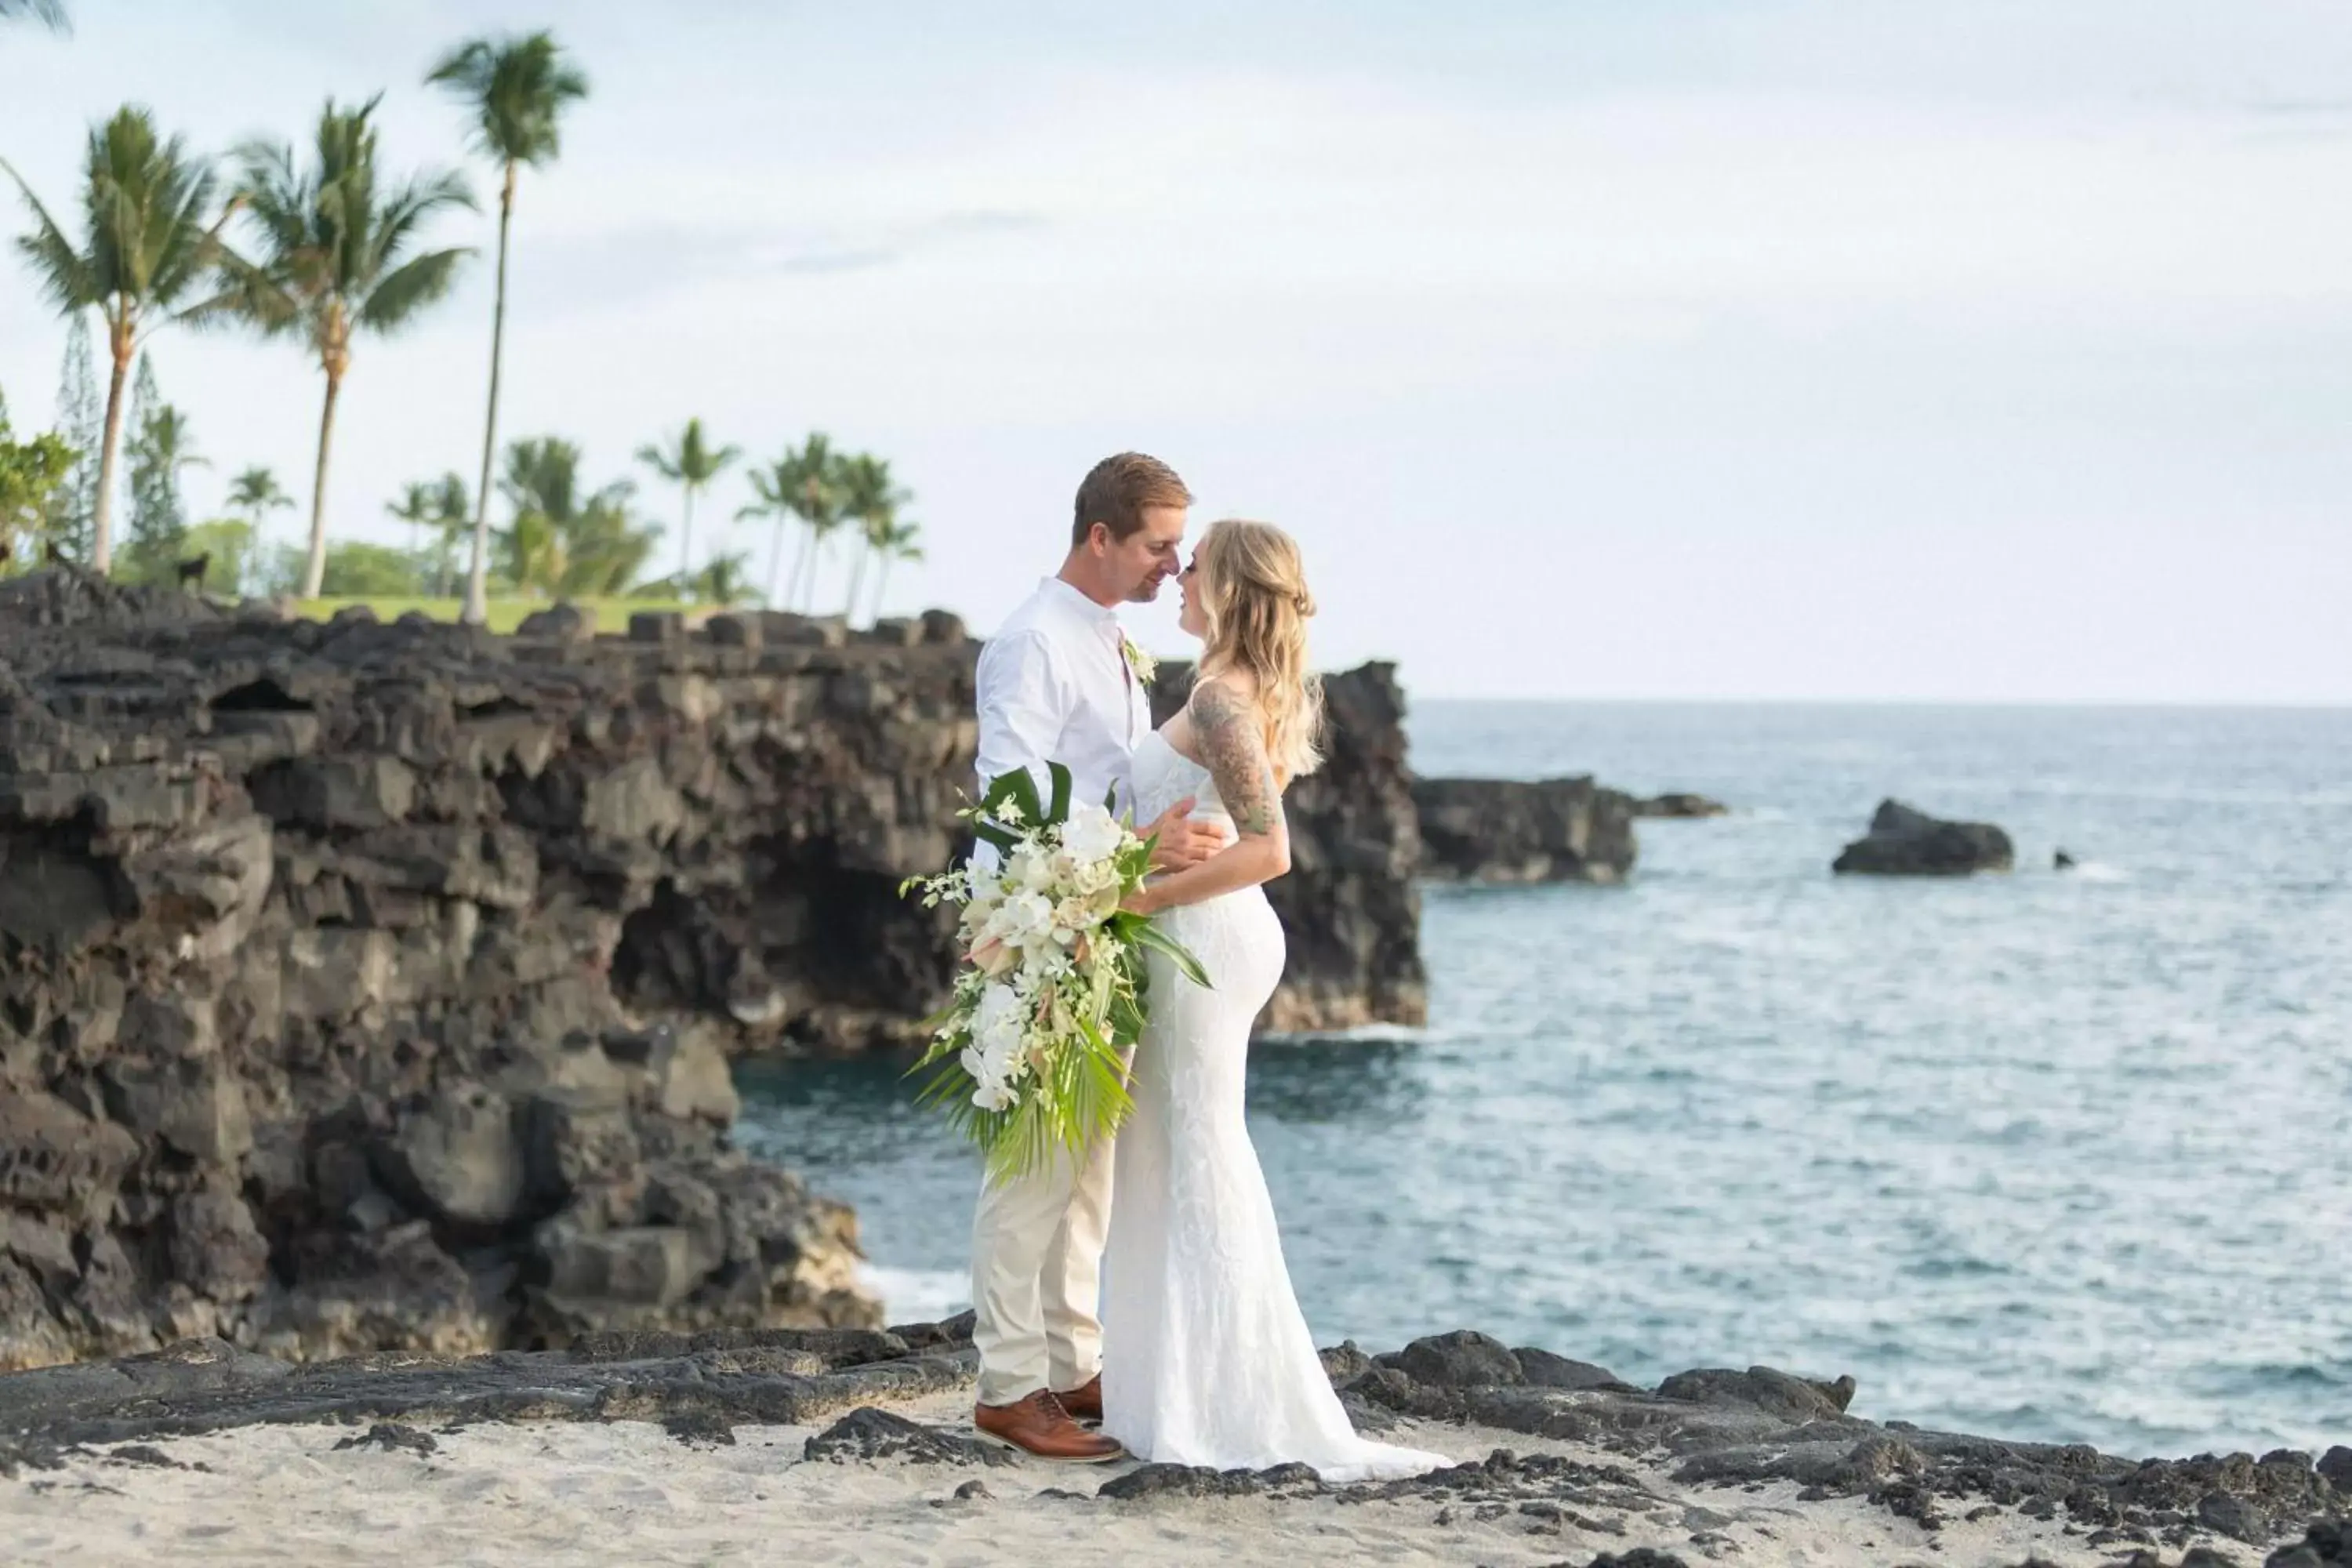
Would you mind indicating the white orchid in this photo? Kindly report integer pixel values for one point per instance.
(1000, 1007)
(1027, 918)
(1093, 834)
(1031, 871)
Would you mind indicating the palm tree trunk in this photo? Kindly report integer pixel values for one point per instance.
(800, 559)
(314, 575)
(102, 535)
(477, 593)
(775, 559)
(881, 581)
(686, 542)
(857, 576)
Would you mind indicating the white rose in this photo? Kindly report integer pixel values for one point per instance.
(1092, 834)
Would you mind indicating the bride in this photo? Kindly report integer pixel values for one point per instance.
(1207, 1359)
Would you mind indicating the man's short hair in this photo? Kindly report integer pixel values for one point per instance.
(1117, 491)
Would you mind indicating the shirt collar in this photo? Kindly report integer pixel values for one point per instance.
(1071, 599)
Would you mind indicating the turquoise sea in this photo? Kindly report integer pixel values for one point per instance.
(2052, 1155)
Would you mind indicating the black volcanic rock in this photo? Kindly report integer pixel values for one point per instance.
(1906, 842)
(2326, 1544)
(1464, 1359)
(1350, 909)
(373, 987)
(1506, 830)
(1680, 805)
(866, 1435)
(1733, 1430)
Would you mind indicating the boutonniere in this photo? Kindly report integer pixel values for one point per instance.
(1140, 663)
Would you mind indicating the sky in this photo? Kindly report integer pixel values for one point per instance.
(1948, 350)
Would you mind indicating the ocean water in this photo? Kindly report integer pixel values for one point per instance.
(2061, 1156)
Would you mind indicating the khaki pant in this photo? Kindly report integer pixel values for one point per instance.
(1037, 1271)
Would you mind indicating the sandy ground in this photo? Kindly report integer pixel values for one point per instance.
(627, 1493)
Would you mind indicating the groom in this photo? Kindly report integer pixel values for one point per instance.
(1055, 685)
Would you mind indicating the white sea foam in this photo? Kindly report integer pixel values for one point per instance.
(917, 1295)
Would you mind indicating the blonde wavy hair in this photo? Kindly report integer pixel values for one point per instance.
(1252, 588)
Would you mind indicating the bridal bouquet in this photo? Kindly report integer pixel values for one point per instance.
(1028, 1057)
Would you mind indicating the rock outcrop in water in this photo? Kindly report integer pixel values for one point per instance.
(1503, 830)
(373, 986)
(1679, 1459)
(1680, 805)
(1905, 841)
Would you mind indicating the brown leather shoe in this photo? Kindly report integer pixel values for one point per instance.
(1085, 1401)
(1039, 1425)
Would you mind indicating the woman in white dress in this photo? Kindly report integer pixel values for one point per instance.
(1207, 1359)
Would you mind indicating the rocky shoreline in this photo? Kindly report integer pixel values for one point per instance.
(1557, 1454)
(373, 986)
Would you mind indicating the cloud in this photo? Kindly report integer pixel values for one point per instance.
(643, 263)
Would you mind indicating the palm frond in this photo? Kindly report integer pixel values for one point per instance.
(50, 14)
(517, 88)
(246, 294)
(393, 226)
(67, 275)
(398, 297)
(1143, 934)
(331, 247)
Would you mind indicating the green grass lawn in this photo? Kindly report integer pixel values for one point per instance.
(611, 615)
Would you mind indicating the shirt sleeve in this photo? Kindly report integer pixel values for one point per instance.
(1025, 701)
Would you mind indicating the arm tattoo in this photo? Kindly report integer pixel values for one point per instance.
(1233, 748)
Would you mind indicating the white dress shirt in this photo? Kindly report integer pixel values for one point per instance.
(1054, 685)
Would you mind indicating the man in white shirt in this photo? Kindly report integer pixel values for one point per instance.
(1055, 685)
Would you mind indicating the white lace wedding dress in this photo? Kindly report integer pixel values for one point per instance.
(1206, 1357)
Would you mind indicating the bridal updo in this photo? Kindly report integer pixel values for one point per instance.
(1252, 594)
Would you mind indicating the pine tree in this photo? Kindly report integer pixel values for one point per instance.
(160, 448)
(81, 420)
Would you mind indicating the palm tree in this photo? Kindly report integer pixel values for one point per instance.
(796, 485)
(334, 262)
(607, 549)
(414, 507)
(517, 88)
(560, 542)
(691, 465)
(897, 543)
(453, 525)
(806, 483)
(150, 240)
(257, 494)
(722, 582)
(871, 499)
(441, 505)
